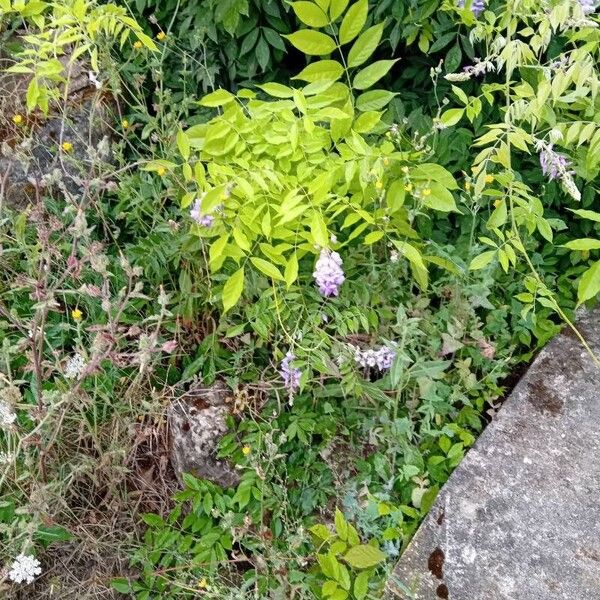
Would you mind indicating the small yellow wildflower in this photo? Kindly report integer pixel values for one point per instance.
(203, 583)
(467, 185)
(76, 314)
(137, 44)
(386, 162)
(67, 146)
(17, 119)
(125, 123)
(246, 450)
(408, 187)
(426, 192)
(160, 36)
(497, 203)
(489, 178)
(378, 185)
(161, 171)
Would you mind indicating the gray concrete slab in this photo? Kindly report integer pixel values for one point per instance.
(519, 519)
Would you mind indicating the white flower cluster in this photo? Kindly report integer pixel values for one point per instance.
(6, 458)
(75, 366)
(7, 415)
(382, 358)
(24, 569)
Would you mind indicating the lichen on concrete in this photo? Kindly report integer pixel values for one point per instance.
(519, 519)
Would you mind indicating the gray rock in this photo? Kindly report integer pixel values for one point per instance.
(197, 422)
(519, 519)
(30, 153)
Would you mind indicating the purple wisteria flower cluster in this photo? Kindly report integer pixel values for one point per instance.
(328, 273)
(290, 375)
(588, 6)
(203, 219)
(555, 166)
(382, 358)
(477, 6)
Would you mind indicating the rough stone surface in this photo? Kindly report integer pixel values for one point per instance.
(519, 519)
(30, 153)
(197, 421)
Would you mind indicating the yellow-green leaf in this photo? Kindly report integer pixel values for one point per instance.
(440, 198)
(589, 285)
(586, 214)
(370, 75)
(353, 21)
(267, 268)
(361, 585)
(452, 116)
(498, 216)
(374, 100)
(337, 8)
(319, 230)
(33, 92)
(583, 244)
(290, 273)
(395, 195)
(277, 90)
(241, 240)
(217, 98)
(310, 14)
(232, 290)
(366, 121)
(481, 261)
(373, 237)
(321, 70)
(183, 143)
(364, 556)
(365, 45)
(311, 42)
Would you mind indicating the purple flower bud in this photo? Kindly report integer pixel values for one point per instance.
(290, 375)
(328, 273)
(197, 215)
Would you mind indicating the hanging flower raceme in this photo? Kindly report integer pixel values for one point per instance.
(556, 166)
(205, 220)
(479, 67)
(290, 375)
(328, 273)
(553, 164)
